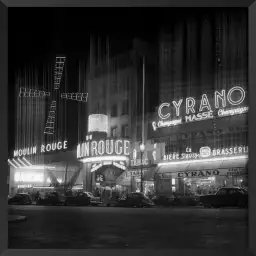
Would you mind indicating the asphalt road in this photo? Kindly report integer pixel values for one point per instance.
(70, 227)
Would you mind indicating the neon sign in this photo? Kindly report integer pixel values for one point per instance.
(205, 110)
(198, 173)
(103, 147)
(28, 177)
(205, 152)
(44, 148)
(98, 123)
(25, 186)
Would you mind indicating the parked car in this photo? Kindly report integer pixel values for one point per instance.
(80, 198)
(94, 200)
(113, 201)
(20, 198)
(52, 198)
(226, 197)
(135, 200)
(163, 200)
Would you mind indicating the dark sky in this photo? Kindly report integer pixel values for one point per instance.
(37, 33)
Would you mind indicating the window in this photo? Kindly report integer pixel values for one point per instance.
(125, 131)
(125, 107)
(114, 132)
(114, 110)
(222, 192)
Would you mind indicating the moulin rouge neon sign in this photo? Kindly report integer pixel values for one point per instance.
(205, 110)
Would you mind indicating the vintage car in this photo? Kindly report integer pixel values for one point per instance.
(20, 198)
(135, 199)
(94, 200)
(51, 198)
(79, 198)
(226, 197)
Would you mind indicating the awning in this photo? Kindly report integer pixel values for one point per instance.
(205, 165)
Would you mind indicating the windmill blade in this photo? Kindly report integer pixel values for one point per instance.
(50, 122)
(27, 92)
(81, 97)
(59, 67)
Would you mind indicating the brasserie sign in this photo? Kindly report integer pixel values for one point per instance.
(206, 152)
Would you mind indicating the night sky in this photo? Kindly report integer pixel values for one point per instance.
(37, 33)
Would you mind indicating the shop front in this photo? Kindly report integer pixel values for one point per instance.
(204, 172)
(104, 160)
(32, 171)
(142, 165)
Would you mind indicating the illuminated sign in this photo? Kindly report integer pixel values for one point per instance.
(207, 152)
(151, 155)
(98, 123)
(75, 96)
(28, 177)
(25, 186)
(103, 147)
(205, 110)
(44, 148)
(198, 173)
(137, 162)
(26, 92)
(135, 173)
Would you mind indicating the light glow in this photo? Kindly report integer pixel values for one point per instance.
(28, 177)
(204, 160)
(104, 158)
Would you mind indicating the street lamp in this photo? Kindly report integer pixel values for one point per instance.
(142, 148)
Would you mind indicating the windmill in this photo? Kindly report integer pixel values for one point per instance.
(55, 96)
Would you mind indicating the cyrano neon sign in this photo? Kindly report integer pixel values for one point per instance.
(205, 110)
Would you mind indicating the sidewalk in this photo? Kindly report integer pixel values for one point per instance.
(15, 218)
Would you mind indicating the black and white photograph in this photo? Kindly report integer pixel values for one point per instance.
(128, 129)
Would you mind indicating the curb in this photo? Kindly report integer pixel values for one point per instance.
(16, 218)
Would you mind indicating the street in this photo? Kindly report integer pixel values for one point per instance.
(102, 227)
